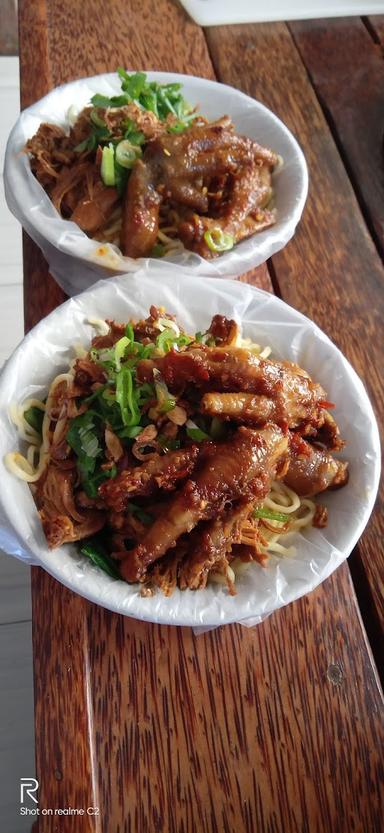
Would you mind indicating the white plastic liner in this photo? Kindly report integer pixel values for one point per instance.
(67, 248)
(267, 320)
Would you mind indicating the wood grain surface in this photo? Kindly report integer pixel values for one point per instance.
(277, 728)
(346, 67)
(330, 270)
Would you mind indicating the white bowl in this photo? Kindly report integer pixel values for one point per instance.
(66, 247)
(46, 351)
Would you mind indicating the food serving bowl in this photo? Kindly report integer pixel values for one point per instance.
(267, 320)
(75, 260)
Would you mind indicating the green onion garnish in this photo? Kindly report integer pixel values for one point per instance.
(146, 518)
(127, 153)
(165, 401)
(165, 340)
(125, 396)
(194, 432)
(120, 348)
(218, 240)
(96, 119)
(108, 165)
(271, 516)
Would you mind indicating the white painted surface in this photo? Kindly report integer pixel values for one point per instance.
(218, 12)
(16, 685)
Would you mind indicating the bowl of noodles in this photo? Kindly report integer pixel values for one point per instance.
(115, 170)
(180, 450)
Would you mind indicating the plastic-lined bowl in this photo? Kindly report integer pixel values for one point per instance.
(67, 248)
(267, 320)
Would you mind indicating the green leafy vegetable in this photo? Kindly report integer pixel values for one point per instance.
(34, 416)
(121, 178)
(84, 437)
(100, 100)
(146, 518)
(100, 557)
(132, 85)
(158, 250)
(160, 99)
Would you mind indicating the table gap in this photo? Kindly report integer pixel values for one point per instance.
(274, 278)
(365, 210)
(368, 611)
(371, 30)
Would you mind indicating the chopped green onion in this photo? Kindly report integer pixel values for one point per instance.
(166, 402)
(183, 340)
(218, 429)
(127, 153)
(120, 348)
(130, 433)
(129, 332)
(205, 338)
(96, 119)
(83, 439)
(197, 434)
(136, 138)
(125, 396)
(96, 393)
(166, 340)
(218, 240)
(168, 443)
(108, 165)
(194, 432)
(271, 516)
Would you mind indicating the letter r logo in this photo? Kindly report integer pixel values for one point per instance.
(29, 786)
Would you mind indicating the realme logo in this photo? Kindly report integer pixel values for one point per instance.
(28, 786)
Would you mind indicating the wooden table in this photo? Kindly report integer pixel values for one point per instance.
(278, 728)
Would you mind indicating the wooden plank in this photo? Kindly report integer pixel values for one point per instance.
(269, 729)
(375, 24)
(236, 730)
(330, 270)
(65, 764)
(347, 71)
